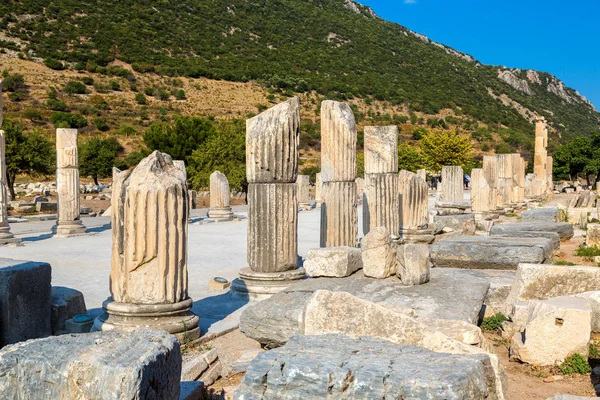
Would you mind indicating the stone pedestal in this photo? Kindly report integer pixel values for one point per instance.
(67, 184)
(380, 202)
(220, 197)
(149, 280)
(272, 171)
(339, 218)
(303, 183)
(452, 184)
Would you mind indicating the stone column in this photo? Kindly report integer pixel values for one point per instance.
(529, 186)
(518, 170)
(549, 174)
(303, 183)
(413, 209)
(490, 169)
(6, 236)
(380, 198)
(506, 179)
(481, 194)
(339, 219)
(360, 188)
(67, 184)
(220, 198)
(452, 184)
(540, 157)
(318, 190)
(149, 280)
(271, 171)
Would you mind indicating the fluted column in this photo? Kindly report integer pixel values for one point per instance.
(303, 183)
(220, 197)
(380, 198)
(549, 174)
(339, 219)
(490, 169)
(540, 157)
(67, 184)
(506, 179)
(149, 281)
(452, 184)
(481, 194)
(271, 171)
(413, 208)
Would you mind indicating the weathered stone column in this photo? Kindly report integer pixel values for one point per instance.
(271, 170)
(303, 183)
(540, 157)
(360, 188)
(452, 184)
(549, 174)
(413, 209)
(318, 190)
(490, 169)
(530, 186)
(481, 193)
(380, 198)
(339, 218)
(220, 197)
(148, 279)
(518, 170)
(67, 184)
(506, 179)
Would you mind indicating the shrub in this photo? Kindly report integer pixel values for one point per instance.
(493, 323)
(141, 98)
(56, 105)
(68, 120)
(32, 115)
(575, 364)
(54, 64)
(88, 80)
(101, 124)
(13, 83)
(180, 94)
(74, 87)
(99, 102)
(114, 85)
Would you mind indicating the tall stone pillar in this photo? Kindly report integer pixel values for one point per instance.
(220, 197)
(380, 199)
(148, 279)
(271, 171)
(303, 183)
(452, 184)
(360, 188)
(339, 219)
(506, 179)
(318, 190)
(481, 193)
(549, 174)
(518, 170)
(413, 209)
(67, 184)
(490, 170)
(530, 186)
(540, 157)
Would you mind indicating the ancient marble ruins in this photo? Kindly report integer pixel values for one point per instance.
(220, 197)
(67, 184)
(452, 184)
(413, 208)
(148, 280)
(339, 218)
(303, 183)
(272, 171)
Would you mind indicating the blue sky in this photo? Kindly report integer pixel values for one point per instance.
(559, 37)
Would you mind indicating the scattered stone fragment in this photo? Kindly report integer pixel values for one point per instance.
(592, 237)
(564, 229)
(546, 214)
(378, 254)
(66, 303)
(530, 234)
(463, 222)
(413, 263)
(333, 261)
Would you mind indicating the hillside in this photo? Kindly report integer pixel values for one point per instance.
(319, 49)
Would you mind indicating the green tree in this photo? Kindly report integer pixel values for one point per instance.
(180, 139)
(579, 157)
(225, 151)
(409, 157)
(26, 153)
(440, 148)
(98, 156)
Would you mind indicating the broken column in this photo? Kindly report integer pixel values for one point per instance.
(67, 184)
(148, 279)
(540, 158)
(271, 171)
(549, 176)
(380, 199)
(339, 219)
(452, 184)
(413, 209)
(318, 190)
(518, 170)
(506, 179)
(481, 194)
(490, 169)
(220, 197)
(303, 183)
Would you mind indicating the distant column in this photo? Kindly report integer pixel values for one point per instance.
(452, 184)
(67, 184)
(339, 219)
(149, 279)
(540, 157)
(303, 183)
(318, 190)
(481, 194)
(220, 197)
(549, 174)
(490, 169)
(413, 209)
(506, 179)
(271, 171)
(380, 199)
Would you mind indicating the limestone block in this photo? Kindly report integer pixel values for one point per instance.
(564, 229)
(490, 170)
(544, 214)
(452, 184)
(338, 142)
(413, 198)
(333, 261)
(553, 236)
(101, 365)
(380, 202)
(465, 223)
(413, 264)
(378, 254)
(540, 282)
(220, 197)
(458, 330)
(594, 300)
(303, 183)
(340, 367)
(46, 207)
(272, 144)
(339, 217)
(556, 328)
(381, 149)
(25, 301)
(592, 237)
(66, 303)
(272, 227)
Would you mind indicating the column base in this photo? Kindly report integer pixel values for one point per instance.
(423, 235)
(8, 238)
(220, 213)
(304, 207)
(68, 229)
(177, 319)
(262, 285)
